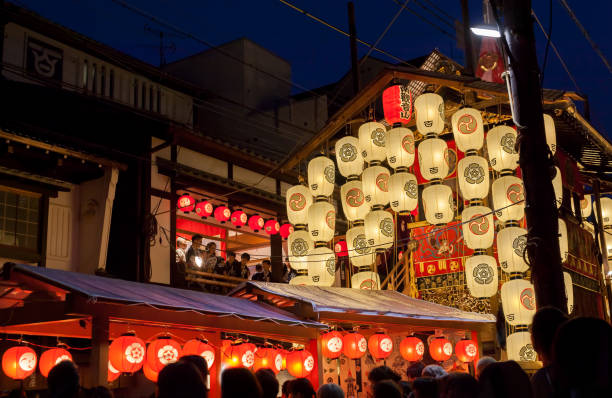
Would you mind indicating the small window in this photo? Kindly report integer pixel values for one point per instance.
(111, 83)
(103, 81)
(19, 219)
(94, 86)
(136, 93)
(84, 77)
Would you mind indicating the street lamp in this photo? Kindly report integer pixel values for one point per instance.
(486, 31)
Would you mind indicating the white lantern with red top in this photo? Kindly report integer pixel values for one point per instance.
(348, 156)
(511, 244)
(299, 246)
(403, 192)
(438, 204)
(468, 129)
(379, 229)
(508, 198)
(473, 176)
(397, 104)
(365, 280)
(569, 291)
(501, 142)
(373, 141)
(520, 348)
(353, 201)
(481, 275)
(551, 135)
(321, 176)
(321, 221)
(606, 211)
(360, 252)
(478, 227)
(322, 267)
(429, 109)
(298, 199)
(376, 185)
(433, 159)
(518, 302)
(400, 148)
(586, 206)
(239, 218)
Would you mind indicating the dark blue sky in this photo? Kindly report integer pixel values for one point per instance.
(318, 54)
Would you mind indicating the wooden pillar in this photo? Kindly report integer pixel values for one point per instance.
(98, 360)
(276, 252)
(214, 339)
(316, 376)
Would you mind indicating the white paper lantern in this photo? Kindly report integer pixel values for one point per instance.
(606, 210)
(481, 275)
(375, 181)
(478, 227)
(558, 187)
(403, 192)
(353, 201)
(379, 229)
(586, 206)
(608, 240)
(299, 246)
(321, 221)
(433, 159)
(429, 109)
(300, 280)
(321, 176)
(468, 129)
(511, 243)
(473, 176)
(569, 291)
(507, 191)
(348, 156)
(551, 135)
(322, 267)
(400, 147)
(563, 245)
(519, 347)
(518, 302)
(373, 141)
(365, 280)
(298, 199)
(360, 253)
(438, 204)
(500, 145)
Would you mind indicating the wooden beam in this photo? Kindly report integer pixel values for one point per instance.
(98, 357)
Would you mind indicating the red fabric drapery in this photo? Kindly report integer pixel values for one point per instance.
(195, 227)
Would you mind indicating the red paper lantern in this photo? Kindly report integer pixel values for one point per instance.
(239, 355)
(397, 104)
(380, 345)
(52, 357)
(300, 363)
(466, 350)
(239, 218)
(331, 344)
(201, 348)
(19, 362)
(113, 374)
(149, 373)
(341, 248)
(186, 203)
(283, 354)
(127, 354)
(256, 223)
(268, 358)
(440, 349)
(161, 352)
(412, 349)
(354, 345)
(222, 214)
(286, 230)
(272, 227)
(204, 209)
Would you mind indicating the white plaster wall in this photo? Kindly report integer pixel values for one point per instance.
(159, 181)
(160, 252)
(202, 162)
(63, 231)
(251, 178)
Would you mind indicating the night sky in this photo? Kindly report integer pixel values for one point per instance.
(320, 55)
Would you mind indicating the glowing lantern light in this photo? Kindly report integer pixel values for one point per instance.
(239, 218)
(239, 355)
(508, 198)
(365, 280)
(299, 200)
(256, 223)
(286, 230)
(400, 148)
(19, 362)
(473, 176)
(360, 253)
(322, 266)
(283, 353)
(500, 145)
(161, 352)
(353, 201)
(299, 245)
(551, 135)
(438, 204)
(380, 346)
(511, 244)
(52, 357)
(322, 221)
(518, 301)
(429, 109)
(149, 373)
(519, 348)
(272, 227)
(569, 291)
(403, 192)
(127, 353)
(204, 209)
(563, 244)
(300, 363)
(608, 240)
(558, 187)
(606, 211)
(376, 185)
(321, 176)
(373, 141)
(348, 156)
(397, 104)
(586, 206)
(433, 159)
(379, 229)
(354, 345)
(440, 349)
(268, 358)
(222, 214)
(478, 227)
(341, 248)
(466, 350)
(201, 348)
(186, 203)
(481, 276)
(412, 349)
(113, 374)
(468, 129)
(331, 345)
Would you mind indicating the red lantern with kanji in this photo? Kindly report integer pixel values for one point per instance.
(127, 353)
(161, 352)
(440, 349)
(186, 203)
(52, 357)
(256, 223)
(239, 218)
(113, 374)
(300, 363)
(222, 214)
(272, 227)
(331, 344)
(354, 345)
(286, 230)
(412, 349)
(201, 348)
(239, 355)
(466, 350)
(204, 209)
(149, 373)
(397, 104)
(19, 362)
(268, 358)
(380, 345)
(341, 248)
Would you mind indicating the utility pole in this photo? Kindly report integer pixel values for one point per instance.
(535, 157)
(353, 40)
(467, 39)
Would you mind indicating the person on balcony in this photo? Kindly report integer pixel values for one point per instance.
(231, 264)
(195, 256)
(241, 270)
(259, 274)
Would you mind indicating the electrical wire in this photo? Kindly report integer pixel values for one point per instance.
(548, 37)
(452, 36)
(429, 10)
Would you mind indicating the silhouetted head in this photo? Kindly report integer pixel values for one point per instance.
(63, 380)
(239, 383)
(544, 326)
(180, 380)
(504, 380)
(267, 381)
(330, 390)
(387, 389)
(302, 388)
(434, 371)
(458, 385)
(415, 370)
(482, 364)
(200, 363)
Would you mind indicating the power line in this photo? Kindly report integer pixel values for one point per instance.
(452, 36)
(548, 36)
(430, 11)
(441, 11)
